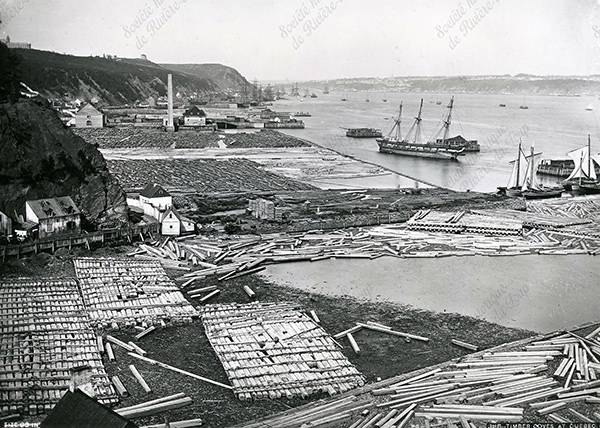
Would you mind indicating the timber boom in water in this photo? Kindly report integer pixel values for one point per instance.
(411, 145)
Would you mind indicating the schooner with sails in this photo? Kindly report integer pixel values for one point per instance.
(523, 180)
(583, 179)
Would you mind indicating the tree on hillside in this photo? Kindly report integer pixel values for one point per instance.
(10, 77)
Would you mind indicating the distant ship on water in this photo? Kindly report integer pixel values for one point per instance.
(437, 148)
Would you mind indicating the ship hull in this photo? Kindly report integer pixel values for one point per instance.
(543, 194)
(587, 189)
(513, 192)
(418, 151)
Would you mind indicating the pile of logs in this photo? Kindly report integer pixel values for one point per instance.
(201, 175)
(121, 293)
(488, 233)
(45, 333)
(544, 377)
(232, 258)
(581, 207)
(272, 350)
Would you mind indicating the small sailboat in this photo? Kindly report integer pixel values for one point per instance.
(531, 188)
(385, 98)
(517, 176)
(590, 107)
(367, 100)
(523, 182)
(583, 179)
(344, 98)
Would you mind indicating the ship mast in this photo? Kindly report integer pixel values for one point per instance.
(531, 165)
(416, 128)
(418, 123)
(448, 119)
(397, 125)
(589, 170)
(519, 163)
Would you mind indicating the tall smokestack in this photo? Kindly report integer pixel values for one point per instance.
(170, 126)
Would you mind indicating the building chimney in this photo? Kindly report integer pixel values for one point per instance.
(170, 126)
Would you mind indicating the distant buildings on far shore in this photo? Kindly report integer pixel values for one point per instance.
(15, 45)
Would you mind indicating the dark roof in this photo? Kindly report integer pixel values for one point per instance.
(78, 410)
(88, 110)
(459, 138)
(53, 207)
(194, 111)
(178, 215)
(154, 191)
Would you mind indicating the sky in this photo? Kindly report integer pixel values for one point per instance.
(288, 40)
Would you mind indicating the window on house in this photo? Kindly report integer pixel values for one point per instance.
(170, 215)
(171, 226)
(88, 123)
(70, 225)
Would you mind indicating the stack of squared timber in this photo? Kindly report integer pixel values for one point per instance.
(121, 293)
(462, 222)
(272, 350)
(540, 379)
(44, 334)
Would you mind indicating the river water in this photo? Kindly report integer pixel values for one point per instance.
(537, 292)
(554, 124)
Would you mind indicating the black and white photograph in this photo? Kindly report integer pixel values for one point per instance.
(300, 214)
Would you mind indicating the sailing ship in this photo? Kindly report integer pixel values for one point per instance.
(590, 107)
(583, 179)
(325, 90)
(531, 188)
(411, 145)
(455, 143)
(517, 176)
(523, 181)
(367, 100)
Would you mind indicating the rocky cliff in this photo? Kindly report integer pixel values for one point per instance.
(112, 80)
(40, 157)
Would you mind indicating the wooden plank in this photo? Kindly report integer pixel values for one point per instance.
(119, 386)
(353, 343)
(145, 332)
(175, 369)
(189, 423)
(465, 345)
(151, 402)
(155, 408)
(395, 333)
(139, 378)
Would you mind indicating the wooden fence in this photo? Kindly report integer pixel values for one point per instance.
(107, 235)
